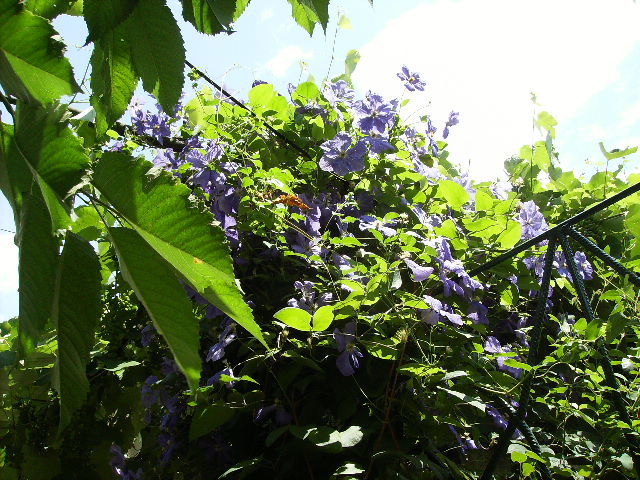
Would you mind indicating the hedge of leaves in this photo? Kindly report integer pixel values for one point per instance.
(368, 350)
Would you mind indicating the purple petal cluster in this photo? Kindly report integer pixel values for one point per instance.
(347, 361)
(464, 285)
(340, 157)
(338, 92)
(155, 125)
(411, 80)
(439, 312)
(228, 335)
(531, 220)
(419, 272)
(119, 465)
(280, 416)
(492, 345)
(374, 112)
(378, 142)
(451, 121)
(308, 299)
(367, 222)
(147, 335)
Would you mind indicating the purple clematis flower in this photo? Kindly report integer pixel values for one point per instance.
(378, 142)
(531, 220)
(228, 335)
(374, 112)
(339, 92)
(453, 120)
(492, 345)
(308, 298)
(411, 80)
(439, 312)
(281, 416)
(500, 421)
(466, 444)
(501, 189)
(347, 362)
(147, 335)
(258, 82)
(340, 157)
(477, 312)
(420, 273)
(367, 222)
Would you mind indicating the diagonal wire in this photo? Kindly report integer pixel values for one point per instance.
(278, 134)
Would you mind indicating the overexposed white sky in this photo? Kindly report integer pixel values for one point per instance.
(482, 59)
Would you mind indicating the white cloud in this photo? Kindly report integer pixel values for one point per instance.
(484, 58)
(280, 64)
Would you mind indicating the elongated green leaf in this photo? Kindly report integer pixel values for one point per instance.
(616, 152)
(103, 16)
(158, 51)
(76, 309)
(113, 79)
(38, 259)
(163, 296)
(32, 64)
(161, 212)
(15, 178)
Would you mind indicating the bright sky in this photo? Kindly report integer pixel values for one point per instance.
(483, 59)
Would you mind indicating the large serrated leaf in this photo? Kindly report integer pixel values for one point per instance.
(76, 309)
(113, 79)
(32, 65)
(38, 259)
(163, 296)
(306, 14)
(48, 8)
(48, 147)
(159, 209)
(103, 16)
(213, 16)
(157, 50)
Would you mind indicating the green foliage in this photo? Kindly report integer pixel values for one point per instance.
(160, 211)
(76, 308)
(32, 66)
(157, 287)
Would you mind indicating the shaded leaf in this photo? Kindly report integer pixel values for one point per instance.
(103, 16)
(76, 309)
(206, 419)
(161, 212)
(157, 50)
(156, 286)
(38, 260)
(32, 64)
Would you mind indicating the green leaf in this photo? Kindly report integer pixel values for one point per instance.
(484, 201)
(113, 79)
(49, 148)
(213, 16)
(349, 469)
(159, 209)
(156, 286)
(328, 438)
(322, 318)
(344, 22)
(294, 318)
(103, 16)
(616, 153)
(511, 235)
(38, 260)
(473, 401)
(453, 193)
(626, 461)
(206, 419)
(76, 309)
(32, 64)
(48, 8)
(545, 120)
(309, 12)
(351, 62)
(157, 50)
